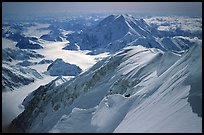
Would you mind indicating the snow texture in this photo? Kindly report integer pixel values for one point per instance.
(125, 92)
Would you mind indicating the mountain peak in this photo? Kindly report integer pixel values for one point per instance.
(125, 16)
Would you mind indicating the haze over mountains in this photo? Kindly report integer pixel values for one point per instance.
(117, 73)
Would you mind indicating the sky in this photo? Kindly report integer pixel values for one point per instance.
(165, 8)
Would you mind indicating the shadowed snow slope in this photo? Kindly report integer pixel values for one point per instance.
(134, 90)
(14, 76)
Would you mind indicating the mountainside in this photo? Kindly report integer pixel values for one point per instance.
(43, 89)
(112, 28)
(9, 54)
(52, 36)
(59, 67)
(25, 43)
(117, 31)
(14, 76)
(134, 90)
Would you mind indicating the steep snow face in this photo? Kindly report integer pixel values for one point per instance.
(134, 90)
(59, 67)
(14, 76)
(176, 102)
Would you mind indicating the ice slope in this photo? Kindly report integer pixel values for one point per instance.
(126, 92)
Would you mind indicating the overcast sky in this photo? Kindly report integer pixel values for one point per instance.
(168, 8)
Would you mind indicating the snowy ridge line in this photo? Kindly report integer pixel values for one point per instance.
(99, 93)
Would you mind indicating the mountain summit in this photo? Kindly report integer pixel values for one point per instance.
(112, 29)
(118, 31)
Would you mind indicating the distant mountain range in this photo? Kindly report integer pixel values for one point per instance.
(117, 31)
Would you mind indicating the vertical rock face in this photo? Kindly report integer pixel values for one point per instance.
(125, 92)
(60, 68)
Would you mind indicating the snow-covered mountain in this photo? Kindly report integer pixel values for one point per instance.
(53, 36)
(59, 67)
(72, 46)
(25, 43)
(9, 54)
(14, 76)
(150, 80)
(134, 90)
(45, 61)
(112, 28)
(15, 72)
(43, 89)
(117, 31)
